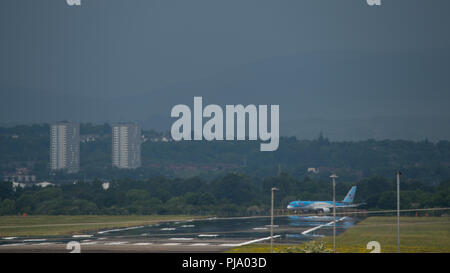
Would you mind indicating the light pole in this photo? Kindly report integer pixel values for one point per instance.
(398, 211)
(271, 221)
(333, 177)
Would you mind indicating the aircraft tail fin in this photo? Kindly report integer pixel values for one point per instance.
(350, 195)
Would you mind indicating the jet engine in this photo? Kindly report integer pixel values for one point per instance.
(325, 210)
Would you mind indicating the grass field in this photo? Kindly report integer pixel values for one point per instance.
(418, 235)
(63, 225)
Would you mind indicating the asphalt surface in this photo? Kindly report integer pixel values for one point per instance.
(203, 236)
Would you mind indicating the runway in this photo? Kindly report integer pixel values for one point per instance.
(206, 235)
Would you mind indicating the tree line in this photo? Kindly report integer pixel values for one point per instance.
(428, 162)
(228, 195)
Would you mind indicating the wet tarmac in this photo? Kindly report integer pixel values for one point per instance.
(206, 235)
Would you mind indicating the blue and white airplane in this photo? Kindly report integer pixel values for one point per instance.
(325, 206)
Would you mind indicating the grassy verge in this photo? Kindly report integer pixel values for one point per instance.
(63, 225)
(418, 235)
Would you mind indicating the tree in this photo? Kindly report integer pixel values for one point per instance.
(387, 200)
(7, 207)
(6, 190)
(137, 195)
(234, 188)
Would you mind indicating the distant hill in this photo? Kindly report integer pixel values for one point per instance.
(346, 95)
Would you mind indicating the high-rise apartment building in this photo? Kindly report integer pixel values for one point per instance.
(126, 145)
(65, 146)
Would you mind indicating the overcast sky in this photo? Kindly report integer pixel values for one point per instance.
(319, 52)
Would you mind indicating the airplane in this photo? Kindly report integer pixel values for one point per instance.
(325, 206)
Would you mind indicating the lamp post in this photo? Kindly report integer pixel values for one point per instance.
(271, 221)
(333, 177)
(398, 211)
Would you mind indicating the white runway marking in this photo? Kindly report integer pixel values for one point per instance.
(258, 240)
(9, 238)
(82, 236)
(208, 235)
(16, 244)
(260, 228)
(251, 242)
(35, 240)
(181, 239)
(44, 244)
(116, 243)
(320, 226)
(119, 229)
(187, 226)
(200, 244)
(171, 244)
(168, 228)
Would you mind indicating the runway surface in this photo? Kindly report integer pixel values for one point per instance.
(206, 235)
